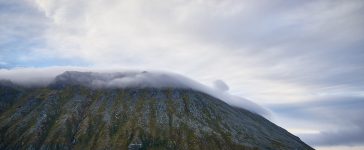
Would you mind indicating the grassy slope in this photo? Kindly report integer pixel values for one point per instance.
(80, 118)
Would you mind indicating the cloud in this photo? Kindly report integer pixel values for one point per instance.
(259, 47)
(221, 85)
(247, 43)
(336, 118)
(119, 78)
(348, 137)
(21, 31)
(340, 148)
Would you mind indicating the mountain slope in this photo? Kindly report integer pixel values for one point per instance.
(70, 115)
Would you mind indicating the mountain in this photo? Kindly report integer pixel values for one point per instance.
(85, 110)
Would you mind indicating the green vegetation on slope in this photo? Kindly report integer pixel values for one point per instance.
(76, 117)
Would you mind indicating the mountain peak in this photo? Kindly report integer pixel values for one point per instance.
(128, 79)
(150, 79)
(79, 117)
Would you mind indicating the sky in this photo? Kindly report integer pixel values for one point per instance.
(301, 59)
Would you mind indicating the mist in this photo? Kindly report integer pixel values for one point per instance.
(124, 78)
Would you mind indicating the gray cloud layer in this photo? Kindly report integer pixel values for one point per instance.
(125, 79)
(340, 116)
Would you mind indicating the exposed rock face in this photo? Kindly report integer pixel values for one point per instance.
(73, 116)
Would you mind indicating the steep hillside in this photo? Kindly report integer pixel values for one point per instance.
(71, 115)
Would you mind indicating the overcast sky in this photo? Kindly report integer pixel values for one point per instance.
(303, 60)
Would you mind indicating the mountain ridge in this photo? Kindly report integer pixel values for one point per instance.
(74, 116)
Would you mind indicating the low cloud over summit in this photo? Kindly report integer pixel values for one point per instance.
(126, 79)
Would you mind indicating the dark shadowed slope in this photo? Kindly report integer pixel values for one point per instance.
(67, 115)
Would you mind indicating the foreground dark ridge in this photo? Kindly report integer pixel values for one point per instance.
(78, 117)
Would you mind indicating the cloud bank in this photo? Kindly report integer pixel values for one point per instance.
(125, 79)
